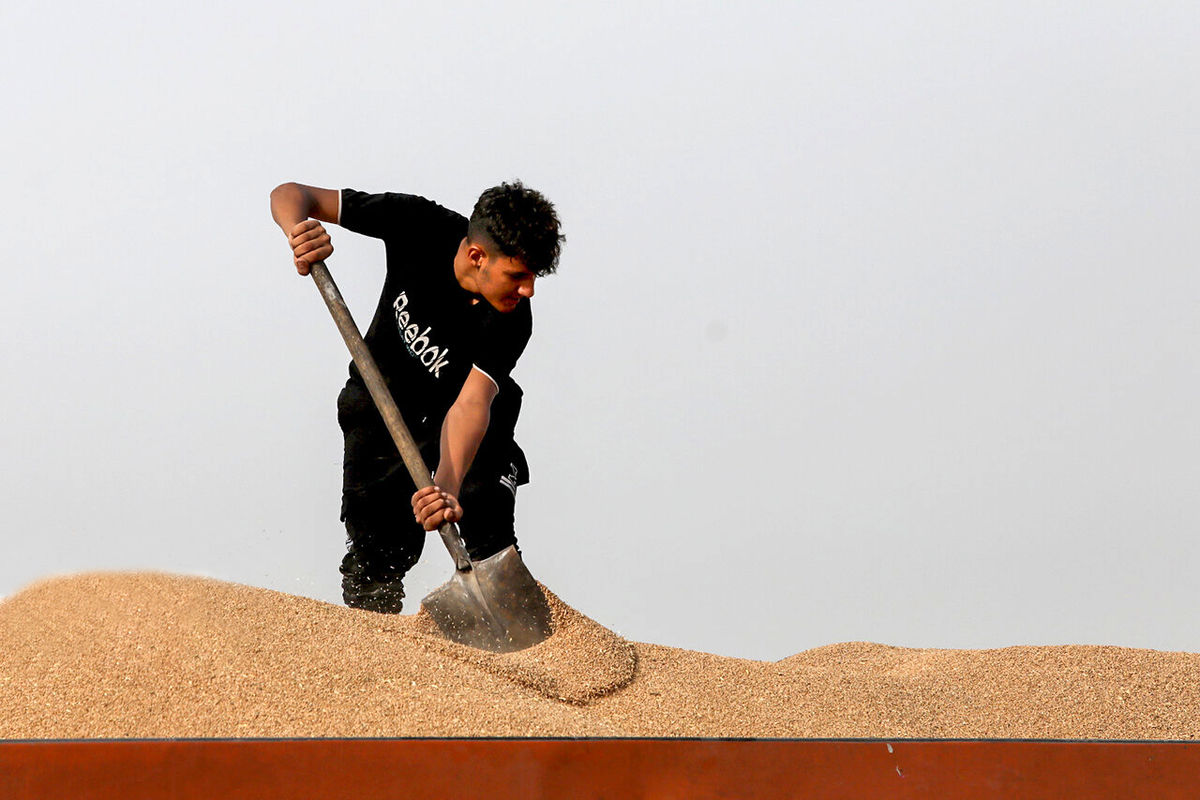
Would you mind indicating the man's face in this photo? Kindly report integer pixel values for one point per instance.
(503, 281)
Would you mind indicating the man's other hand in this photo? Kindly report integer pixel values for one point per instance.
(433, 506)
(310, 243)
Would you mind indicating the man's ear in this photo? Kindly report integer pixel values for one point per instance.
(476, 252)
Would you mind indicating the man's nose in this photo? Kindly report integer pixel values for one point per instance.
(526, 288)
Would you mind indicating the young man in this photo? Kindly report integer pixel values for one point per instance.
(453, 319)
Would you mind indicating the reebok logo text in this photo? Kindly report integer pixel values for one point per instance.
(417, 340)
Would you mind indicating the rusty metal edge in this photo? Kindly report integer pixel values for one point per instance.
(264, 769)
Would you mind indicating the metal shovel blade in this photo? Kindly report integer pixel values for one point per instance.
(495, 605)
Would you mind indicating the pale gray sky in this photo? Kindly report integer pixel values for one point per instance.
(876, 321)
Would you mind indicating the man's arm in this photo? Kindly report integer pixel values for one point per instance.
(299, 211)
(462, 431)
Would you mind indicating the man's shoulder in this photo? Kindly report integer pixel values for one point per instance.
(396, 213)
(400, 200)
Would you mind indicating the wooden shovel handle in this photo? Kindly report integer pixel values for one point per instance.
(384, 402)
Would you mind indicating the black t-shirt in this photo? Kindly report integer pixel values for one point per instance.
(427, 333)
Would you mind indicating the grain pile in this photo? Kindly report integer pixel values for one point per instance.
(149, 655)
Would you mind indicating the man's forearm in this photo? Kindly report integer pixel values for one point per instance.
(299, 211)
(291, 204)
(462, 432)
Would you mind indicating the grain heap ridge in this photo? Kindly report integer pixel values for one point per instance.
(147, 655)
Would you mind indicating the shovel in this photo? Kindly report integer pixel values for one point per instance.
(493, 604)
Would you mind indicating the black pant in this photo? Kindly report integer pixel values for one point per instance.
(383, 539)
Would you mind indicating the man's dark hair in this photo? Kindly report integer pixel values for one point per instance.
(521, 223)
